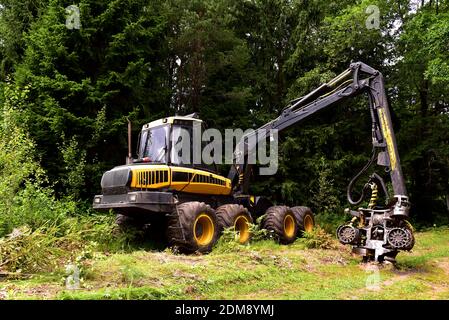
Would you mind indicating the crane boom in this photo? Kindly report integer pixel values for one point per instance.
(374, 232)
(348, 84)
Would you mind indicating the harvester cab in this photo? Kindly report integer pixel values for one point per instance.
(159, 171)
(158, 140)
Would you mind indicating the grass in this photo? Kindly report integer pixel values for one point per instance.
(261, 270)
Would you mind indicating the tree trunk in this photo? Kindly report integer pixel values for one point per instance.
(423, 92)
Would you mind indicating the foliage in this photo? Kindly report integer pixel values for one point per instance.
(228, 240)
(66, 93)
(34, 207)
(56, 243)
(318, 238)
(75, 161)
(330, 222)
(15, 145)
(325, 199)
(24, 250)
(25, 201)
(37, 230)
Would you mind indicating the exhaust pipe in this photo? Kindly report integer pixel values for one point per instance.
(129, 157)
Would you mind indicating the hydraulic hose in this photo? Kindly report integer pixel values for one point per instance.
(382, 184)
(374, 178)
(356, 177)
(373, 199)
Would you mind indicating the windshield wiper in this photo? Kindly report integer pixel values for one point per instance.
(160, 155)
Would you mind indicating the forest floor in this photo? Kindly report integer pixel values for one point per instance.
(262, 270)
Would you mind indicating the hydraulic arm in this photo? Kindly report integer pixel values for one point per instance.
(380, 231)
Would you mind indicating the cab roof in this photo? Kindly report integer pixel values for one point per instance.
(170, 120)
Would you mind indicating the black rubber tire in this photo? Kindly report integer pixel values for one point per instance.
(121, 220)
(180, 229)
(125, 222)
(274, 220)
(228, 214)
(300, 215)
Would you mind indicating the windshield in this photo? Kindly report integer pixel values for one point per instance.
(153, 144)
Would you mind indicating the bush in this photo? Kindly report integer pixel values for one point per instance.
(50, 246)
(100, 229)
(39, 232)
(228, 241)
(331, 221)
(318, 238)
(24, 200)
(35, 206)
(25, 250)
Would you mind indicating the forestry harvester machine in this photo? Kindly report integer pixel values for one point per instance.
(197, 204)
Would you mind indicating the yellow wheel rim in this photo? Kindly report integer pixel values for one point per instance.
(241, 226)
(203, 229)
(308, 223)
(289, 226)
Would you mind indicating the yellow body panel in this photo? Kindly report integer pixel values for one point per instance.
(388, 137)
(154, 177)
(196, 181)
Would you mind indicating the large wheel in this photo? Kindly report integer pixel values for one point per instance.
(282, 222)
(193, 227)
(407, 225)
(237, 217)
(304, 218)
(126, 223)
(123, 221)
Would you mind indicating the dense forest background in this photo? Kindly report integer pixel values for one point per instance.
(66, 92)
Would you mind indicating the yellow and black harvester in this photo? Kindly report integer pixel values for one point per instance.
(196, 204)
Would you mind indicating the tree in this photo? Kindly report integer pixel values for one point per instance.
(422, 85)
(86, 81)
(16, 18)
(208, 63)
(237, 63)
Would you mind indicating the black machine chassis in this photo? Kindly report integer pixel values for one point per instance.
(154, 202)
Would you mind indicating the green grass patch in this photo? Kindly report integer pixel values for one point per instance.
(259, 270)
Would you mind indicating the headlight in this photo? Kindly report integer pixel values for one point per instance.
(132, 198)
(97, 200)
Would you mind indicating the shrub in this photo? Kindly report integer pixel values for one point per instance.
(49, 246)
(24, 200)
(228, 241)
(25, 250)
(318, 238)
(330, 222)
(34, 206)
(101, 229)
